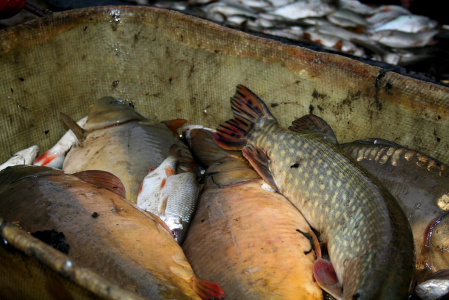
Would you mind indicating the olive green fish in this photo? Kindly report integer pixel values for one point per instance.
(118, 140)
(369, 239)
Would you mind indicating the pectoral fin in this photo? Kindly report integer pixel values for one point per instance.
(103, 179)
(259, 160)
(175, 124)
(325, 275)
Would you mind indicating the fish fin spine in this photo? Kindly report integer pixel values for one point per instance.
(77, 130)
(250, 112)
(207, 290)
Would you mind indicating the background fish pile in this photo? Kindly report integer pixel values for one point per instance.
(386, 33)
(389, 34)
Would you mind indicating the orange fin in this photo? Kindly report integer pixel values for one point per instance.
(44, 159)
(169, 171)
(207, 290)
(248, 110)
(174, 124)
(259, 160)
(103, 179)
(79, 132)
(325, 275)
(314, 124)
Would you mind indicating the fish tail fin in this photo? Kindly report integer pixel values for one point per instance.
(249, 110)
(207, 290)
(79, 132)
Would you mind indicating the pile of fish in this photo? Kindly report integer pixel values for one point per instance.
(247, 211)
(387, 33)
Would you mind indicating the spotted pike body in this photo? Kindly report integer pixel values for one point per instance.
(369, 240)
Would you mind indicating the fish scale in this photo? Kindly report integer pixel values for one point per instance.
(366, 231)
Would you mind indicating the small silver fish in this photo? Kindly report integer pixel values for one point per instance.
(399, 39)
(54, 157)
(356, 6)
(23, 157)
(346, 18)
(383, 17)
(303, 9)
(407, 23)
(170, 196)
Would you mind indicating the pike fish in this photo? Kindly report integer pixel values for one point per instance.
(421, 186)
(118, 140)
(365, 229)
(105, 232)
(248, 239)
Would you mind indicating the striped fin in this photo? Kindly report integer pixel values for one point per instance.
(311, 124)
(248, 111)
(259, 160)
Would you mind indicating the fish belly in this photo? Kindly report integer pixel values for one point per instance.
(248, 240)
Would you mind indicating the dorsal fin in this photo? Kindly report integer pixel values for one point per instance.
(311, 123)
(175, 124)
(103, 179)
(79, 132)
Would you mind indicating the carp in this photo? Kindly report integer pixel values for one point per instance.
(248, 239)
(105, 232)
(369, 239)
(118, 140)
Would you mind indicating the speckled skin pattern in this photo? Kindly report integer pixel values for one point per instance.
(369, 239)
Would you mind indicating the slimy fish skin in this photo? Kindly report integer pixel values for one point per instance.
(105, 232)
(118, 140)
(369, 239)
(421, 186)
(248, 239)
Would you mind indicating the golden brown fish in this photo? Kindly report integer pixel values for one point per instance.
(105, 232)
(366, 231)
(246, 238)
(33, 270)
(118, 140)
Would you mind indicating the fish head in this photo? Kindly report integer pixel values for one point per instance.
(108, 111)
(176, 225)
